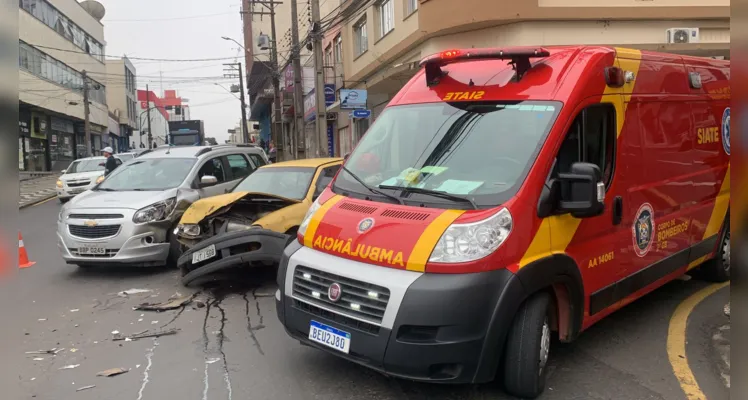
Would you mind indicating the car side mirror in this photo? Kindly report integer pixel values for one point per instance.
(63, 171)
(581, 191)
(345, 157)
(208, 180)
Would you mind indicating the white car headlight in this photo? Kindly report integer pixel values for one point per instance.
(189, 230)
(308, 217)
(155, 212)
(473, 241)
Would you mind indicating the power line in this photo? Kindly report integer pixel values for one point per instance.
(136, 58)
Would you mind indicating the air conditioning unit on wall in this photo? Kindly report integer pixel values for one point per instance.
(682, 35)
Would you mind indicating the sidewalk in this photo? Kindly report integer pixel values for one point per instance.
(36, 190)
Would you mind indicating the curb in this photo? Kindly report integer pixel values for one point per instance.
(35, 202)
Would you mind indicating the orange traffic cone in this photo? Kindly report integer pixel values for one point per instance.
(23, 257)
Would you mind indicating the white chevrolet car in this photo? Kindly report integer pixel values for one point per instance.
(80, 176)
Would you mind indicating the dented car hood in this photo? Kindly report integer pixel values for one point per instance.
(210, 206)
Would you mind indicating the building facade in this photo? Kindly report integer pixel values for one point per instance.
(176, 106)
(150, 103)
(122, 99)
(61, 52)
(380, 43)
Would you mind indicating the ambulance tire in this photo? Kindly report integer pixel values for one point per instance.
(527, 348)
(718, 268)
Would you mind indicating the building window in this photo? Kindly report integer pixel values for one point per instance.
(386, 10)
(53, 18)
(361, 41)
(39, 64)
(338, 51)
(328, 56)
(411, 6)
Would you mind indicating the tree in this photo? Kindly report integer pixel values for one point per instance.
(211, 141)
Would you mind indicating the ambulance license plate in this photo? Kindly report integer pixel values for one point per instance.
(204, 254)
(329, 336)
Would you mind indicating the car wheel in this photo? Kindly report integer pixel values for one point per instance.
(527, 348)
(63, 201)
(718, 268)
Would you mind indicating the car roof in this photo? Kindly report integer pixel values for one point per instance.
(194, 151)
(90, 158)
(307, 162)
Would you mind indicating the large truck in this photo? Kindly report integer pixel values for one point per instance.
(186, 133)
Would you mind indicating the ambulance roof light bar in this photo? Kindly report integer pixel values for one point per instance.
(519, 58)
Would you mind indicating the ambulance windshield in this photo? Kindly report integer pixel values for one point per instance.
(478, 150)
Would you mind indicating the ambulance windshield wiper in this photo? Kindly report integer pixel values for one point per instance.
(435, 193)
(371, 189)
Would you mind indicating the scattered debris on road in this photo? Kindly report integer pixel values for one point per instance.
(71, 366)
(73, 350)
(39, 359)
(145, 334)
(50, 351)
(199, 304)
(727, 310)
(115, 332)
(128, 292)
(42, 319)
(85, 388)
(75, 310)
(212, 360)
(112, 372)
(172, 304)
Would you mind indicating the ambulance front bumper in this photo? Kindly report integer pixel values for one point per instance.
(432, 327)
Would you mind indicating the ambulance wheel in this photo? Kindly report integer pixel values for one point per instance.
(527, 348)
(718, 268)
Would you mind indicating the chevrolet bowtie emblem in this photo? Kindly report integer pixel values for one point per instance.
(91, 223)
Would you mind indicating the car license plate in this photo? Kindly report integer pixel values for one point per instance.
(76, 191)
(91, 250)
(329, 336)
(204, 254)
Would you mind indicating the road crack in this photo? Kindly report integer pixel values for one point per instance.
(251, 329)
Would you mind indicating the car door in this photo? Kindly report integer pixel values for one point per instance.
(599, 245)
(239, 167)
(215, 167)
(324, 178)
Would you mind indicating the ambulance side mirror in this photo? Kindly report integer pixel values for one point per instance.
(581, 191)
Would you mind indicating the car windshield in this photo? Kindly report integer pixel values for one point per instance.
(288, 182)
(96, 164)
(148, 174)
(482, 150)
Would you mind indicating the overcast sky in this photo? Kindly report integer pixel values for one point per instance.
(181, 29)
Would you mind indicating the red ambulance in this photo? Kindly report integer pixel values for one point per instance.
(508, 196)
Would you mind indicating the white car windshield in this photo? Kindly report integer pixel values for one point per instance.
(288, 182)
(86, 166)
(482, 150)
(148, 174)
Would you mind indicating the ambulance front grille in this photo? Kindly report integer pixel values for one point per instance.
(359, 300)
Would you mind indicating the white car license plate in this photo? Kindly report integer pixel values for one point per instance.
(91, 250)
(330, 336)
(204, 254)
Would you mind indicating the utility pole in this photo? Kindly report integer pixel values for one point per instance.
(86, 114)
(298, 87)
(148, 115)
(245, 130)
(277, 132)
(319, 81)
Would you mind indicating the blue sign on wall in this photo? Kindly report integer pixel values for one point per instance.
(361, 113)
(329, 94)
(330, 140)
(352, 99)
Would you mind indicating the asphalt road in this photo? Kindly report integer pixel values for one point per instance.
(235, 348)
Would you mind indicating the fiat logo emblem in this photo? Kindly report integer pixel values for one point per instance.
(334, 292)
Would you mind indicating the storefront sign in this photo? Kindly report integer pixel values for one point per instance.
(329, 94)
(361, 113)
(61, 125)
(23, 128)
(330, 140)
(352, 99)
(310, 107)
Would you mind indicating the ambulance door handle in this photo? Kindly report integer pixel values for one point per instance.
(617, 210)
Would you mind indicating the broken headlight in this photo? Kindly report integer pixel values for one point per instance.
(189, 230)
(237, 226)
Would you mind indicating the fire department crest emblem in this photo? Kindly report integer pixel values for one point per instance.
(365, 225)
(643, 229)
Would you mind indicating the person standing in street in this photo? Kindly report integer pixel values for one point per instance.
(272, 152)
(111, 163)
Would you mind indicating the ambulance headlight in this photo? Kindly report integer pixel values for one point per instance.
(308, 217)
(473, 241)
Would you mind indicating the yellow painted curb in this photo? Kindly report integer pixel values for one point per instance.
(676, 341)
